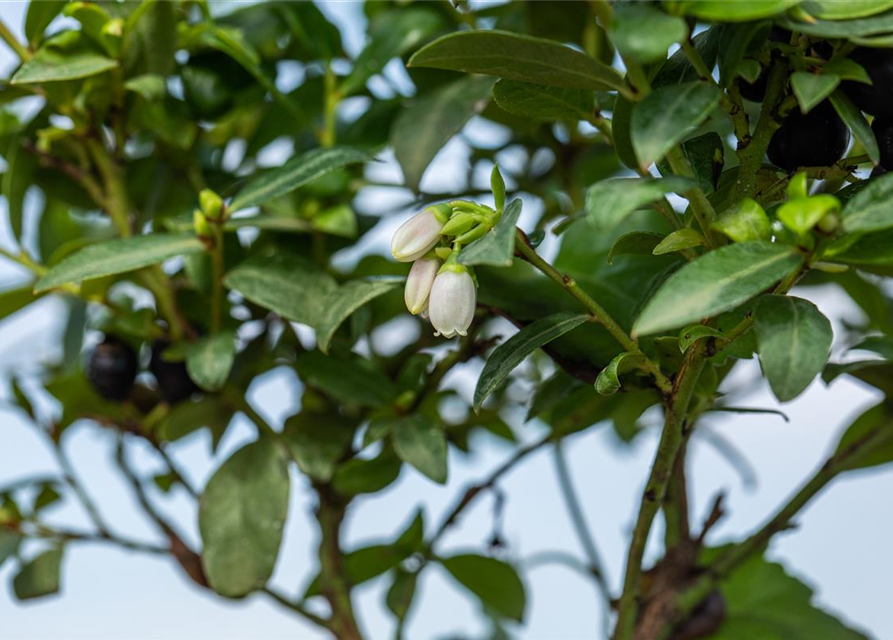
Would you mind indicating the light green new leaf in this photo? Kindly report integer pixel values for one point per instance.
(545, 103)
(610, 201)
(800, 215)
(855, 121)
(640, 243)
(494, 582)
(513, 351)
(421, 442)
(39, 577)
(241, 517)
(295, 173)
(518, 57)
(717, 281)
(837, 10)
(793, 340)
(67, 56)
(811, 88)
(432, 120)
(689, 335)
(497, 246)
(210, 359)
(643, 33)
(666, 117)
(118, 256)
(608, 381)
(745, 222)
(679, 240)
(869, 209)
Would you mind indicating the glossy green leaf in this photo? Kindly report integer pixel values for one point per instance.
(351, 381)
(856, 123)
(812, 88)
(432, 120)
(643, 33)
(610, 201)
(667, 116)
(679, 240)
(745, 222)
(640, 243)
(793, 340)
(497, 246)
(494, 582)
(836, 10)
(689, 335)
(241, 517)
(421, 442)
(39, 577)
(67, 56)
(847, 69)
(210, 359)
(497, 186)
(869, 209)
(864, 26)
(800, 215)
(608, 381)
(725, 11)
(517, 57)
(513, 351)
(118, 256)
(295, 173)
(544, 103)
(716, 282)
(318, 441)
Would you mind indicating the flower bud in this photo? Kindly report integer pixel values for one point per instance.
(452, 302)
(211, 203)
(201, 225)
(418, 235)
(418, 284)
(458, 224)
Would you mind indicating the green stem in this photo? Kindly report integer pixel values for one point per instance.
(700, 205)
(595, 309)
(20, 50)
(330, 105)
(694, 56)
(217, 275)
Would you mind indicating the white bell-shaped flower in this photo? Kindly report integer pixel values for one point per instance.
(418, 284)
(452, 301)
(418, 235)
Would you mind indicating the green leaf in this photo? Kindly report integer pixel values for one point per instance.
(667, 116)
(725, 11)
(298, 291)
(210, 359)
(621, 128)
(16, 180)
(811, 88)
(187, 417)
(67, 56)
(745, 222)
(737, 41)
(513, 351)
(865, 26)
(497, 186)
(9, 544)
(716, 282)
(856, 123)
(679, 69)
(643, 34)
(679, 240)
(494, 582)
(295, 173)
(392, 34)
(640, 243)
(318, 441)
(39, 17)
(517, 57)
(421, 442)
(497, 246)
(869, 209)
(763, 601)
(847, 69)
(39, 577)
(689, 335)
(401, 593)
(118, 256)
(800, 215)
(241, 516)
(14, 300)
(359, 475)
(150, 86)
(544, 103)
(610, 201)
(354, 381)
(793, 340)
(836, 10)
(705, 155)
(608, 381)
(876, 418)
(431, 121)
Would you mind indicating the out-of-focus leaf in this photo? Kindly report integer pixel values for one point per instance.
(39, 577)
(876, 419)
(679, 240)
(421, 442)
(494, 582)
(610, 201)
(39, 17)
(722, 11)
(643, 33)
(546, 103)
(317, 441)
(67, 56)
(210, 359)
(745, 222)
(856, 123)
(359, 475)
(353, 381)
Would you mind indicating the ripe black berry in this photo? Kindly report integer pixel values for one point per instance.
(883, 131)
(816, 139)
(873, 98)
(112, 368)
(173, 379)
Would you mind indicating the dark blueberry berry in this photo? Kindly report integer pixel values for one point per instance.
(756, 91)
(173, 379)
(112, 368)
(873, 98)
(816, 139)
(883, 131)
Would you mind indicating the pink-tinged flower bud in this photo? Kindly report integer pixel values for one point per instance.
(418, 235)
(418, 284)
(452, 302)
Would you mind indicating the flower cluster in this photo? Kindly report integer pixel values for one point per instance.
(438, 286)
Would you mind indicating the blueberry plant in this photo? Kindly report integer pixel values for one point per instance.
(690, 164)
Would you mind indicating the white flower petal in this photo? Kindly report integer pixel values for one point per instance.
(416, 237)
(452, 303)
(418, 284)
